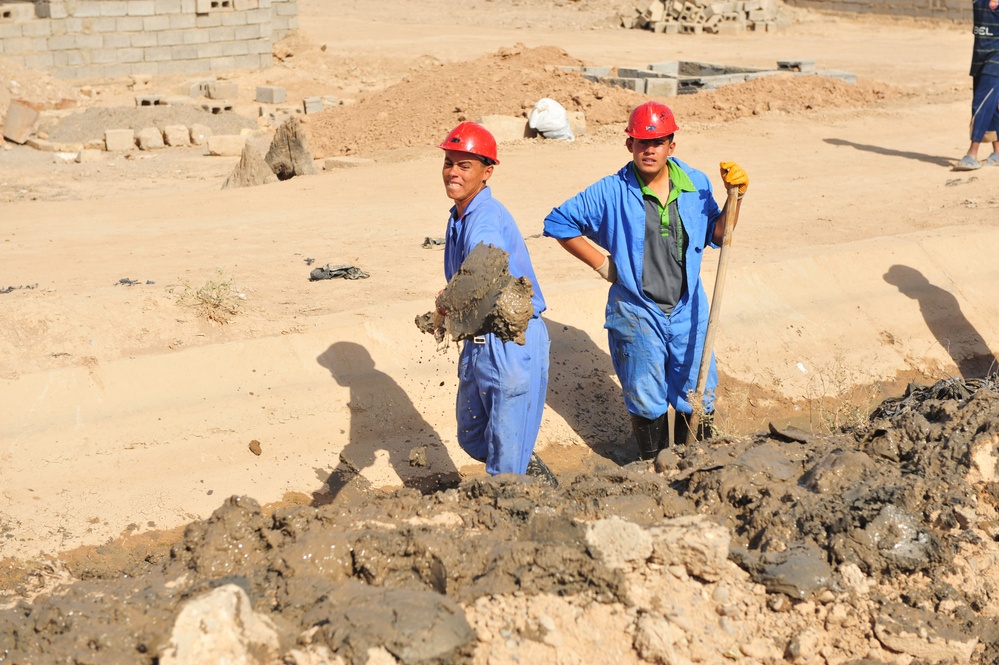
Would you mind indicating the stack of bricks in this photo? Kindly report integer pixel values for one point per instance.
(697, 16)
(81, 39)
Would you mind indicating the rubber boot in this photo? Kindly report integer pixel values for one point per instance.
(705, 428)
(652, 435)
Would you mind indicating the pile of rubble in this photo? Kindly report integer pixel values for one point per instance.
(697, 16)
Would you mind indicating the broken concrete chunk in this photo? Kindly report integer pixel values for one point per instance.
(483, 297)
(176, 135)
(150, 138)
(289, 154)
(119, 139)
(20, 122)
(200, 134)
(251, 170)
(226, 145)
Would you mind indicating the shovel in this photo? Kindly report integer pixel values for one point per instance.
(709, 337)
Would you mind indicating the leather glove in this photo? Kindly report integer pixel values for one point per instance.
(734, 175)
(607, 270)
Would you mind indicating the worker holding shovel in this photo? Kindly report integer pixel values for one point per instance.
(655, 216)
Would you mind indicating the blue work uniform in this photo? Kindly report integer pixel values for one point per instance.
(501, 385)
(985, 70)
(656, 355)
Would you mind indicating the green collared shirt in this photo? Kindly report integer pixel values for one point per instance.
(679, 182)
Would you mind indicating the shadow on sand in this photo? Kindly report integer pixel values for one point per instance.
(943, 316)
(382, 417)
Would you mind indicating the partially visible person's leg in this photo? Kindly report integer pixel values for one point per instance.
(984, 119)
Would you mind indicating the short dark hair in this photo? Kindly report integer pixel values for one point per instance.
(485, 160)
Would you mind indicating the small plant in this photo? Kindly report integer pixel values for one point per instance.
(216, 300)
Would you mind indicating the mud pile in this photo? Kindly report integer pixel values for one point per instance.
(871, 545)
(433, 98)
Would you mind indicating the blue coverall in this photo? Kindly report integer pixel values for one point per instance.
(656, 357)
(501, 385)
(985, 71)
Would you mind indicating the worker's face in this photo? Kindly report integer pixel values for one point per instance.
(464, 176)
(650, 155)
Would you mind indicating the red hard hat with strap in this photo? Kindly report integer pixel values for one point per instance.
(651, 120)
(471, 137)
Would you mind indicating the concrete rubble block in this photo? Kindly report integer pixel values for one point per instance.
(88, 156)
(176, 135)
(312, 105)
(220, 626)
(619, 544)
(226, 145)
(330, 101)
(346, 162)
(200, 134)
(150, 138)
(694, 542)
(507, 128)
(270, 94)
(20, 122)
(662, 87)
(222, 90)
(250, 171)
(119, 139)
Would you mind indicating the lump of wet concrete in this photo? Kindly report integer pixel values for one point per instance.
(800, 572)
(483, 297)
(924, 635)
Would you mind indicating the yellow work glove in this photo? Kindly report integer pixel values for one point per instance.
(735, 176)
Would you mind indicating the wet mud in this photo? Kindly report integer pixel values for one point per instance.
(876, 544)
(482, 298)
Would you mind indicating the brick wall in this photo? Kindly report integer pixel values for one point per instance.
(79, 39)
(951, 10)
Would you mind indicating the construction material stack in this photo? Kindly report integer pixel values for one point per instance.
(697, 16)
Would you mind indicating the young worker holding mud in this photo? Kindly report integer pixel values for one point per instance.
(655, 216)
(501, 385)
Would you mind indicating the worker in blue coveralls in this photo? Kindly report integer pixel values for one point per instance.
(985, 82)
(501, 385)
(655, 216)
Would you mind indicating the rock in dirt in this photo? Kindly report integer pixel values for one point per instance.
(251, 170)
(483, 297)
(289, 154)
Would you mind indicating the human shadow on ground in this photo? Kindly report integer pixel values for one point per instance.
(582, 390)
(382, 417)
(943, 316)
(891, 152)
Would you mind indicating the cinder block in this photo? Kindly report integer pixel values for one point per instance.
(803, 66)
(20, 122)
(176, 135)
(119, 139)
(217, 107)
(150, 138)
(147, 100)
(661, 87)
(270, 94)
(312, 105)
(17, 12)
(226, 145)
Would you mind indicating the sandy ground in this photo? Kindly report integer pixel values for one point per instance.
(862, 261)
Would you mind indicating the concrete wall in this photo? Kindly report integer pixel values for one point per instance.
(82, 39)
(952, 10)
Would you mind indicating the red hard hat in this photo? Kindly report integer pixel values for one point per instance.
(651, 120)
(471, 137)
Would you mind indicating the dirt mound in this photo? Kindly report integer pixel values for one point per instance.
(433, 98)
(878, 543)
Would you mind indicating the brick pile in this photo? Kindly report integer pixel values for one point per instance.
(697, 16)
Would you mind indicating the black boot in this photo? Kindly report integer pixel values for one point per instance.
(652, 435)
(705, 428)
